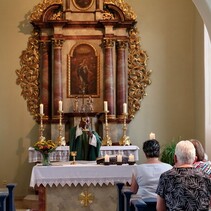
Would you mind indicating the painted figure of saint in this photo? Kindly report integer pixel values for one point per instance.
(83, 75)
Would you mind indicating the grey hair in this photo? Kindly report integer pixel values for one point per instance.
(185, 152)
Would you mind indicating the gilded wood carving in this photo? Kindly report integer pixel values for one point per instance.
(29, 73)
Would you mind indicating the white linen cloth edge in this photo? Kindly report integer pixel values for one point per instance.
(93, 140)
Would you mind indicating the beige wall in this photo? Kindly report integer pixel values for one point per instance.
(169, 32)
(174, 105)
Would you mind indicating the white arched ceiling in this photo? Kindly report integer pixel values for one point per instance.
(204, 8)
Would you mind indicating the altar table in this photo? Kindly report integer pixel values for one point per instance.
(62, 152)
(81, 187)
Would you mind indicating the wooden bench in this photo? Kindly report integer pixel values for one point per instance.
(7, 202)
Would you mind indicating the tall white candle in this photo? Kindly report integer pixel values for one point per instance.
(107, 158)
(151, 136)
(131, 158)
(105, 106)
(41, 108)
(125, 108)
(60, 105)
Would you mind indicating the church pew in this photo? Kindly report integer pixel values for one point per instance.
(120, 206)
(121, 188)
(10, 202)
(148, 204)
(151, 204)
(138, 205)
(3, 197)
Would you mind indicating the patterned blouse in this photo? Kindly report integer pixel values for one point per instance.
(185, 189)
(205, 166)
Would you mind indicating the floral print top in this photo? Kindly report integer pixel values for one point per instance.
(205, 166)
(185, 189)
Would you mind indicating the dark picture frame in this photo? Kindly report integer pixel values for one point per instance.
(83, 71)
(83, 4)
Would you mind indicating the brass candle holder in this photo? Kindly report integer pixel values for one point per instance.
(107, 140)
(41, 129)
(60, 139)
(125, 140)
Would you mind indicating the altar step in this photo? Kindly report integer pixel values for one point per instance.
(30, 202)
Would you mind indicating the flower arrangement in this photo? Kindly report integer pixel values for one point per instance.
(45, 147)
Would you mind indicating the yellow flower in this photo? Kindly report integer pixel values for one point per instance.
(44, 146)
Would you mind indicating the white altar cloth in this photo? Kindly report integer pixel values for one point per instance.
(84, 172)
(62, 153)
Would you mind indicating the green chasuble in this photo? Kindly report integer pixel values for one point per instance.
(85, 151)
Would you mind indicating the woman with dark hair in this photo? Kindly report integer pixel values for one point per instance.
(200, 161)
(146, 176)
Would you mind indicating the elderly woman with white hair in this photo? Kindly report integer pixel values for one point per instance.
(184, 187)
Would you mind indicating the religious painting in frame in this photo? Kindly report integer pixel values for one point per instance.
(83, 4)
(83, 71)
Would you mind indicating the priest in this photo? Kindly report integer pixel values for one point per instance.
(84, 141)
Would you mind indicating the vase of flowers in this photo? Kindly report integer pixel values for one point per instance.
(45, 148)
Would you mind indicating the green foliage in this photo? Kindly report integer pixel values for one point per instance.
(167, 154)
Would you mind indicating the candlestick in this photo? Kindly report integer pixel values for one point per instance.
(151, 136)
(105, 106)
(124, 108)
(125, 140)
(41, 129)
(41, 108)
(60, 140)
(106, 140)
(60, 105)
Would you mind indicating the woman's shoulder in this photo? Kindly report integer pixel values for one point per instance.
(204, 165)
(166, 164)
(160, 164)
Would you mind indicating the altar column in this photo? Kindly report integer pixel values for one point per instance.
(109, 77)
(57, 74)
(44, 75)
(67, 4)
(121, 77)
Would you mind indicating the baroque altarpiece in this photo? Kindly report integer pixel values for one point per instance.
(83, 52)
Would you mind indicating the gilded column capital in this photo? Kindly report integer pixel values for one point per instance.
(57, 43)
(121, 44)
(44, 44)
(108, 42)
